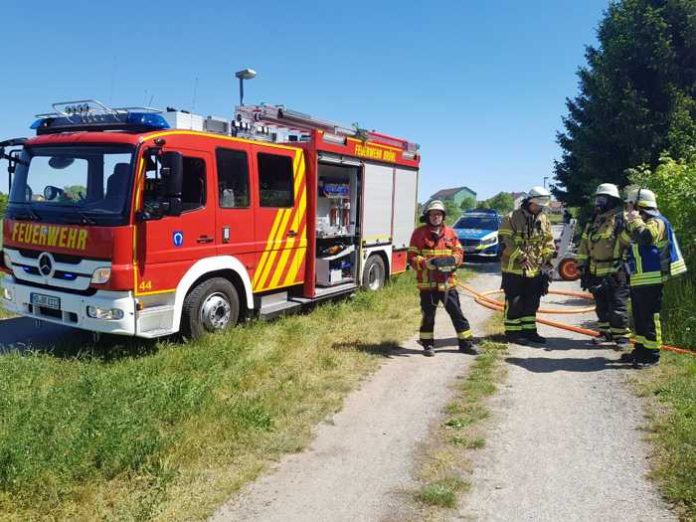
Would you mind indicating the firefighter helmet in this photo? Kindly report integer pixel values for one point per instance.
(435, 204)
(608, 189)
(539, 195)
(646, 199)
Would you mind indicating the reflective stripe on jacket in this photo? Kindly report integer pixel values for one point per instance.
(603, 247)
(654, 255)
(427, 243)
(525, 235)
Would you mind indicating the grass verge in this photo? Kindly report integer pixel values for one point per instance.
(445, 463)
(160, 431)
(671, 388)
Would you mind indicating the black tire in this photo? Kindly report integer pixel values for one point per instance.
(374, 274)
(213, 305)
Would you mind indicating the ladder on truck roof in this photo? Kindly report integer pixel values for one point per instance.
(277, 116)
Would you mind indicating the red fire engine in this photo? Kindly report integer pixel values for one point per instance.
(145, 223)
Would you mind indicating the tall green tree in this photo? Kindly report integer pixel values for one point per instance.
(468, 203)
(637, 96)
(503, 202)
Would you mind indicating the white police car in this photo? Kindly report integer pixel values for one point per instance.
(478, 232)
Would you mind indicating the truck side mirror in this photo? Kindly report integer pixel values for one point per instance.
(172, 172)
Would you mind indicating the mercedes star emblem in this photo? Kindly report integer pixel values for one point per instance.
(46, 264)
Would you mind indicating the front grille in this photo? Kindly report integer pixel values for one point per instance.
(470, 242)
(60, 258)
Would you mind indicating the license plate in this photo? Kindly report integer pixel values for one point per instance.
(46, 301)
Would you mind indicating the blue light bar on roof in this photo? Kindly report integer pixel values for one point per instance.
(126, 121)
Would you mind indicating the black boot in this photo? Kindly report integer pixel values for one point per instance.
(535, 338)
(468, 346)
(428, 350)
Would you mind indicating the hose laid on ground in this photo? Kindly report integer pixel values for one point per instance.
(493, 304)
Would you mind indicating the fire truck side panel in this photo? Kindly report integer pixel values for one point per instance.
(399, 262)
(377, 204)
(405, 188)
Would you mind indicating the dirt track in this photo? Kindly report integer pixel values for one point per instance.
(563, 444)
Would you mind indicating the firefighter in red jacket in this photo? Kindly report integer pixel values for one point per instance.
(435, 254)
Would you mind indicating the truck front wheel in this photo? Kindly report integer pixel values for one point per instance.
(213, 305)
(374, 273)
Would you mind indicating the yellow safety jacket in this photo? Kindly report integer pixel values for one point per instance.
(655, 255)
(603, 245)
(525, 236)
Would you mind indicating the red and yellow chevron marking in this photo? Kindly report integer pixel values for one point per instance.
(274, 271)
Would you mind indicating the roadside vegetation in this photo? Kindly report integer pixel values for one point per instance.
(672, 413)
(162, 431)
(445, 464)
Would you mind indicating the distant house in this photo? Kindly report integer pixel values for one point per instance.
(556, 207)
(519, 197)
(456, 195)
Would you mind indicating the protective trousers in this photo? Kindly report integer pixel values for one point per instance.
(611, 304)
(429, 301)
(522, 298)
(646, 302)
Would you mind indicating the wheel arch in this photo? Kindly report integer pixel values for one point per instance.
(228, 267)
(385, 254)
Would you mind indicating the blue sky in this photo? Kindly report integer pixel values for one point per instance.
(480, 86)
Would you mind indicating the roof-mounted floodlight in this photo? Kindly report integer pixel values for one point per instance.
(244, 74)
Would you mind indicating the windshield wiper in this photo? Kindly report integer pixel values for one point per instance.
(27, 215)
(83, 219)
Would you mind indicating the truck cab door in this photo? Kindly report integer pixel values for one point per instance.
(281, 216)
(166, 248)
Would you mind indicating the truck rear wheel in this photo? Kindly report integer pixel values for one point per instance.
(374, 273)
(568, 270)
(213, 305)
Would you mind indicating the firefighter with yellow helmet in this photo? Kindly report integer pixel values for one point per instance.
(601, 263)
(435, 254)
(526, 262)
(653, 257)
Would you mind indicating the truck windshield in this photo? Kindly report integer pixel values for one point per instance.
(480, 223)
(86, 184)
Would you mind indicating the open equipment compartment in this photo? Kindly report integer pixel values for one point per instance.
(337, 224)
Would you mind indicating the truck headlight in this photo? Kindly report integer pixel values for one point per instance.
(101, 276)
(7, 294)
(7, 260)
(97, 312)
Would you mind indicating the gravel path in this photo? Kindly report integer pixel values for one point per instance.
(565, 442)
(361, 461)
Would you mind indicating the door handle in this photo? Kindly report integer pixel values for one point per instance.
(292, 233)
(204, 239)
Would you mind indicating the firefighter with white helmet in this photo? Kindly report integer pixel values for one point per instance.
(601, 263)
(526, 262)
(435, 254)
(653, 257)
